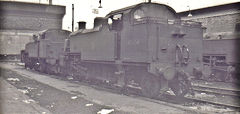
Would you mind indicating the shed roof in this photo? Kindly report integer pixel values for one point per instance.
(223, 7)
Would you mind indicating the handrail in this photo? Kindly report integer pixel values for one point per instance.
(165, 21)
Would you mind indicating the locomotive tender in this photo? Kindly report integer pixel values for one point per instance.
(145, 45)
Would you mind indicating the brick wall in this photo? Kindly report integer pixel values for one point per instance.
(13, 41)
(218, 20)
(29, 23)
(223, 23)
(18, 22)
(226, 47)
(29, 16)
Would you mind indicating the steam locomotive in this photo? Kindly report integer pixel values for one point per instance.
(144, 45)
(43, 53)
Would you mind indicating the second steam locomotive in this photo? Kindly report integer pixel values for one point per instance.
(145, 45)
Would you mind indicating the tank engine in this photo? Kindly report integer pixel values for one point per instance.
(44, 52)
(145, 45)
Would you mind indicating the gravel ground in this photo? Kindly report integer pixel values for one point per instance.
(56, 101)
(56, 93)
(233, 100)
(14, 101)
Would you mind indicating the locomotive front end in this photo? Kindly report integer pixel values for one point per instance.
(178, 54)
(173, 47)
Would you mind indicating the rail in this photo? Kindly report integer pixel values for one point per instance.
(220, 96)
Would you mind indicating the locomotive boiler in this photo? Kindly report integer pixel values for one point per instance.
(43, 54)
(145, 46)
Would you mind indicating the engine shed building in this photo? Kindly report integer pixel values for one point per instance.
(222, 34)
(221, 22)
(19, 21)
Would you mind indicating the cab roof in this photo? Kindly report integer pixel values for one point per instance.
(130, 8)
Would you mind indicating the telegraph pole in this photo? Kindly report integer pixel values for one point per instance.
(50, 2)
(72, 17)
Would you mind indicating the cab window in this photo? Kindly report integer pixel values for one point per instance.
(138, 14)
(116, 22)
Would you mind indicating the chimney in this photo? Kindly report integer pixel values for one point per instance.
(99, 21)
(81, 25)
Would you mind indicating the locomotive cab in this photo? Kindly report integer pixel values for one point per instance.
(116, 22)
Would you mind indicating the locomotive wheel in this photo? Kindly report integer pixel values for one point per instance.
(150, 86)
(42, 67)
(78, 77)
(57, 69)
(180, 86)
(26, 65)
(30, 66)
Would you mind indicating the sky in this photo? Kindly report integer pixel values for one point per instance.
(83, 9)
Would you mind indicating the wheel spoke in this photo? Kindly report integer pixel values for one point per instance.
(180, 87)
(150, 86)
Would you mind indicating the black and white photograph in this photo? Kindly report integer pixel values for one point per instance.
(119, 56)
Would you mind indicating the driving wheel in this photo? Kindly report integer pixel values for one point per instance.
(150, 86)
(180, 86)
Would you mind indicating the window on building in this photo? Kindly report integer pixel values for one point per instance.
(206, 59)
(214, 60)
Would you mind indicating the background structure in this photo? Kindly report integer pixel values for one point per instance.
(19, 21)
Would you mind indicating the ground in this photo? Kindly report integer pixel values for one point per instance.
(53, 94)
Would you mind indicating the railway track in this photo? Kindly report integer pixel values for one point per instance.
(215, 90)
(234, 106)
(220, 96)
(225, 97)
